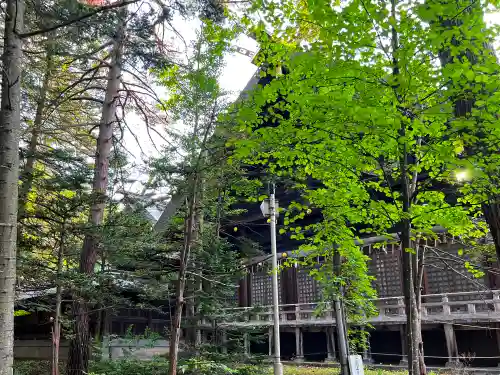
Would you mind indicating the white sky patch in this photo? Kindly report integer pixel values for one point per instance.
(143, 145)
(236, 74)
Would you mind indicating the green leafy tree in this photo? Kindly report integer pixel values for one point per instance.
(194, 169)
(363, 108)
(469, 62)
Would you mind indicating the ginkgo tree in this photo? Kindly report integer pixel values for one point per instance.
(358, 101)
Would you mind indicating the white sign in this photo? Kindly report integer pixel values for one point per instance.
(266, 210)
(356, 365)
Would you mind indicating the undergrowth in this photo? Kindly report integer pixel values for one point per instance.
(194, 366)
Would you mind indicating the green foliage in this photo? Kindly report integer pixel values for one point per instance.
(21, 313)
(160, 367)
(361, 107)
(130, 367)
(33, 368)
(193, 366)
(310, 370)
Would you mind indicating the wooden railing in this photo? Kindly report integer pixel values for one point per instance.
(445, 307)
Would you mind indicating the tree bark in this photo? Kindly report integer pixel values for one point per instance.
(181, 282)
(339, 310)
(56, 329)
(195, 286)
(27, 174)
(419, 276)
(10, 128)
(80, 345)
(491, 212)
(410, 282)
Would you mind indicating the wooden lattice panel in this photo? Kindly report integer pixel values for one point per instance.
(449, 276)
(260, 289)
(307, 286)
(262, 293)
(386, 268)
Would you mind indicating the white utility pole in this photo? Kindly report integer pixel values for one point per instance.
(269, 209)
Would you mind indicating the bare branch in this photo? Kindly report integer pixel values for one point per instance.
(78, 19)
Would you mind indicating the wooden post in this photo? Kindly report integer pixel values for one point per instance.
(496, 301)
(246, 344)
(150, 319)
(404, 355)
(249, 288)
(224, 342)
(242, 292)
(401, 306)
(299, 345)
(330, 342)
(270, 340)
(497, 331)
(446, 306)
(297, 312)
(367, 353)
(471, 308)
(451, 345)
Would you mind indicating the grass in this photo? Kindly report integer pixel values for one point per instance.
(43, 368)
(309, 370)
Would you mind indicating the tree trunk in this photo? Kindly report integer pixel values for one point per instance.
(80, 344)
(413, 328)
(27, 174)
(412, 295)
(491, 212)
(195, 286)
(339, 310)
(10, 128)
(410, 300)
(419, 276)
(56, 329)
(181, 282)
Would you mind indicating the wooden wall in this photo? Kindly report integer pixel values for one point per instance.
(296, 286)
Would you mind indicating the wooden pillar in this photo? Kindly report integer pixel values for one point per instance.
(289, 286)
(330, 344)
(150, 319)
(289, 290)
(299, 345)
(270, 341)
(105, 333)
(367, 352)
(243, 292)
(224, 342)
(249, 287)
(246, 344)
(451, 345)
(497, 332)
(204, 336)
(404, 355)
(106, 353)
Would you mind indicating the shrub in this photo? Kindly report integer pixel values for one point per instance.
(254, 370)
(32, 368)
(197, 366)
(159, 366)
(129, 367)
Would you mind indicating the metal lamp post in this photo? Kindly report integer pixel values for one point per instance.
(269, 208)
